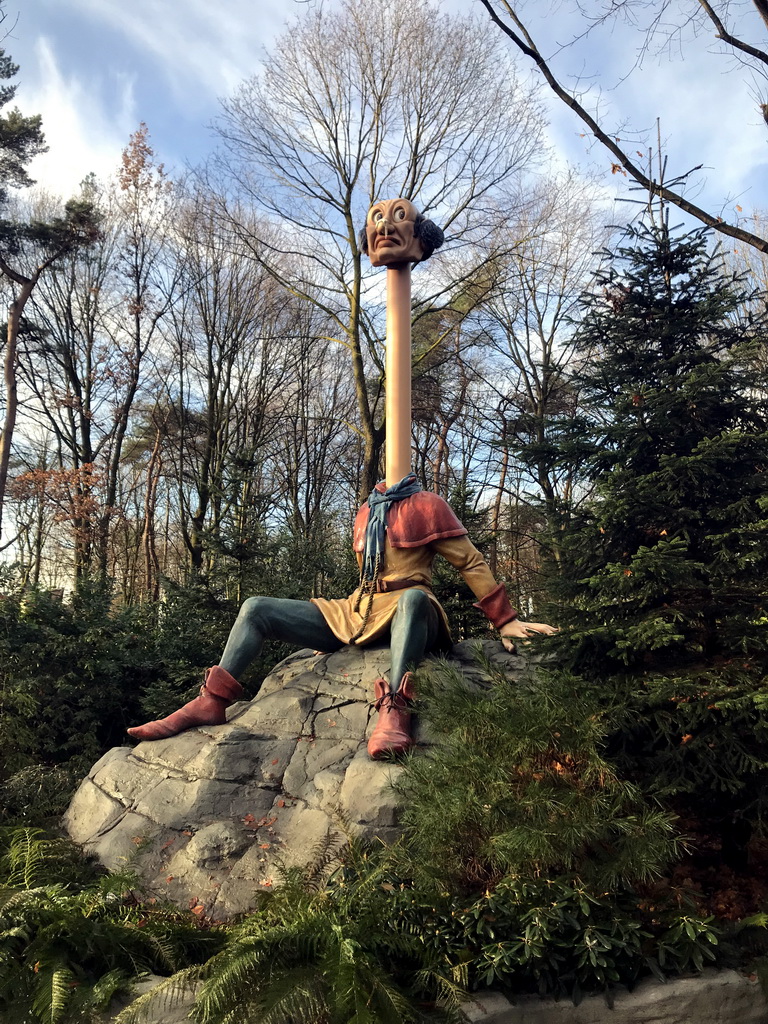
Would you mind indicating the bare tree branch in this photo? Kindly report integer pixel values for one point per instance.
(522, 39)
(727, 37)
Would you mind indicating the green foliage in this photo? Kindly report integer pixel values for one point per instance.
(660, 585)
(374, 944)
(69, 939)
(450, 589)
(77, 668)
(518, 786)
(38, 793)
(371, 944)
(186, 633)
(554, 936)
(317, 954)
(78, 226)
(303, 564)
(21, 138)
(750, 935)
(74, 675)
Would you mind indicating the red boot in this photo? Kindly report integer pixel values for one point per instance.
(219, 690)
(392, 734)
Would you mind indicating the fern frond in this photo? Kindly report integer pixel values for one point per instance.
(27, 900)
(378, 999)
(451, 988)
(53, 991)
(105, 988)
(298, 995)
(18, 931)
(236, 971)
(152, 950)
(118, 883)
(324, 853)
(27, 854)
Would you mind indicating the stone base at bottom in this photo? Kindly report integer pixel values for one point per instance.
(714, 997)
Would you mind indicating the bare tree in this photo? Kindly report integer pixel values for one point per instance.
(530, 319)
(145, 204)
(71, 372)
(357, 103)
(230, 332)
(34, 515)
(96, 316)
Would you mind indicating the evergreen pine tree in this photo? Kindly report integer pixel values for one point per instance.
(661, 583)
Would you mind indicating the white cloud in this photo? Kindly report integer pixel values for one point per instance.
(200, 47)
(165, 62)
(83, 130)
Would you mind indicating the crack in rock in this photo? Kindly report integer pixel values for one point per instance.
(314, 715)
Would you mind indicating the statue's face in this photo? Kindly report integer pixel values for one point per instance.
(389, 230)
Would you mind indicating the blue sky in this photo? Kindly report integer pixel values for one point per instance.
(95, 68)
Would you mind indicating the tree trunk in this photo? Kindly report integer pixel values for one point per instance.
(11, 394)
(151, 562)
(493, 555)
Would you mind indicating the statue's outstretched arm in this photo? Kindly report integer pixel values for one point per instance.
(492, 596)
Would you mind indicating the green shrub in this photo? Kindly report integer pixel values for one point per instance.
(70, 939)
(552, 936)
(518, 785)
(38, 793)
(374, 945)
(659, 583)
(74, 675)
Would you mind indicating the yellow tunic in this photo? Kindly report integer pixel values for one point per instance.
(411, 564)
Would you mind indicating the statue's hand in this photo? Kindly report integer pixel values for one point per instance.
(518, 630)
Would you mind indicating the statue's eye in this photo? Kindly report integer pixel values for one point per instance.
(400, 213)
(376, 216)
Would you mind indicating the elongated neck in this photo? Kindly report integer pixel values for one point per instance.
(398, 374)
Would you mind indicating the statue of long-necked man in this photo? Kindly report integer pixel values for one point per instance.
(397, 534)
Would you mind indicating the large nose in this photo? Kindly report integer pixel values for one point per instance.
(383, 226)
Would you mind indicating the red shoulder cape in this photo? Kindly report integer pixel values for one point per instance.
(412, 522)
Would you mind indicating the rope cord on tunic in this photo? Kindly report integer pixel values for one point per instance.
(367, 589)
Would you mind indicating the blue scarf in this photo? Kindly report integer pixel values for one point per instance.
(378, 503)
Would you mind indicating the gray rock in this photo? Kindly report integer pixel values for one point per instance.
(97, 812)
(164, 1006)
(366, 795)
(714, 997)
(215, 814)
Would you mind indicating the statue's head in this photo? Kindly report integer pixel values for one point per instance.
(395, 232)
